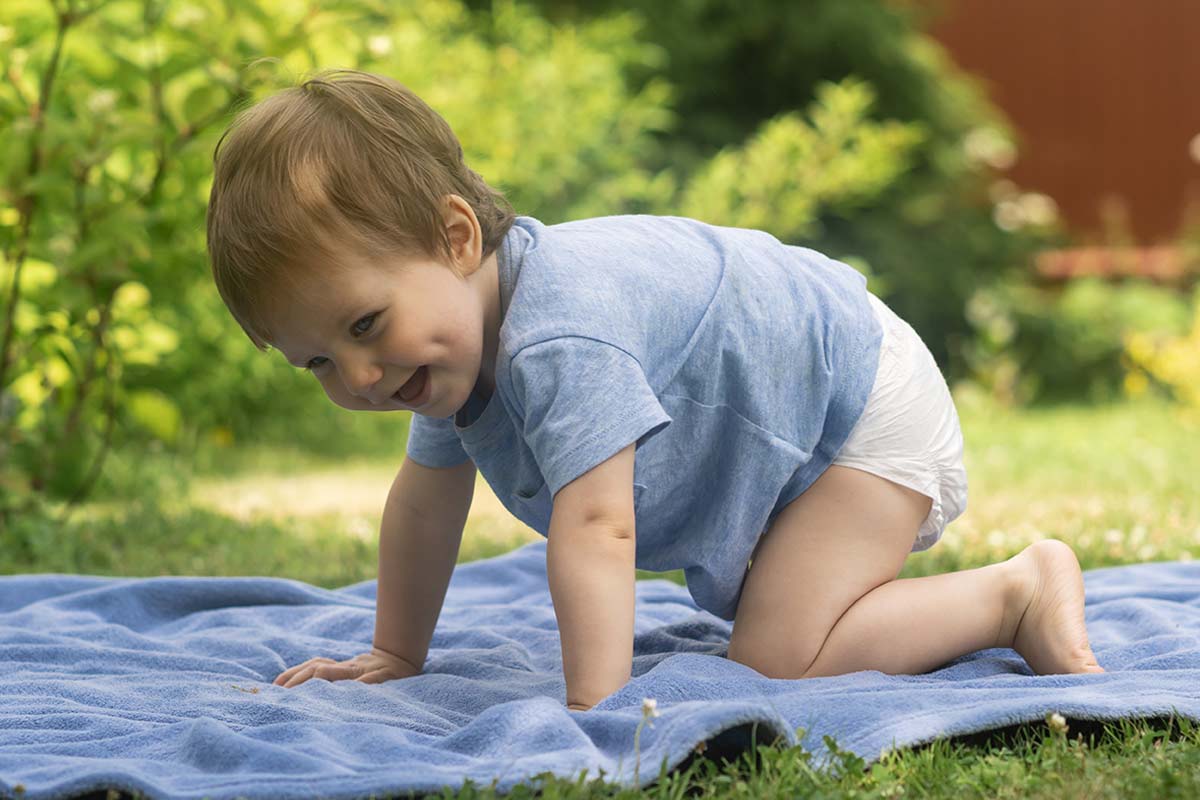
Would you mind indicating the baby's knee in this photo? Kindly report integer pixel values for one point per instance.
(773, 655)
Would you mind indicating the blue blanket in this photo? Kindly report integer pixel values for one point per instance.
(163, 685)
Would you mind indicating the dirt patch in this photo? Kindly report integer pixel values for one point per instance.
(356, 494)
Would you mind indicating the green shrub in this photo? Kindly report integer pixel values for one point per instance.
(1169, 361)
(930, 237)
(113, 339)
(112, 333)
(1036, 344)
(797, 166)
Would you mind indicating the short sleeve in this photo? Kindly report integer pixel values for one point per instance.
(582, 401)
(433, 442)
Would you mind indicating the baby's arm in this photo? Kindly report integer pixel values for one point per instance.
(590, 565)
(419, 537)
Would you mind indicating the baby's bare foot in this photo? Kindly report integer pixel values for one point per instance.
(1051, 635)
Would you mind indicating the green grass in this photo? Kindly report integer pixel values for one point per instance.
(1123, 760)
(1117, 482)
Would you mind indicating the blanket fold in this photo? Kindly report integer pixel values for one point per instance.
(163, 686)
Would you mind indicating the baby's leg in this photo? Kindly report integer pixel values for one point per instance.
(822, 597)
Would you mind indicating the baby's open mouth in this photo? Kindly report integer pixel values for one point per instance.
(412, 389)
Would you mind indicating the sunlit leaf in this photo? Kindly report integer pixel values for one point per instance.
(156, 412)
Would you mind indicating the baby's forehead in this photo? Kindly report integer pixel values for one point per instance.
(298, 298)
(328, 277)
(311, 276)
(310, 291)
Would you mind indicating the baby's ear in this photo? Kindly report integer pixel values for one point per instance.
(463, 231)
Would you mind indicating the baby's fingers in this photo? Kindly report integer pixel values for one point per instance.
(328, 671)
(288, 674)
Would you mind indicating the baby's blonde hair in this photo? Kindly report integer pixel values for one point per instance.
(344, 159)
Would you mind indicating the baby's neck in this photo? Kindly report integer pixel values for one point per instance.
(484, 387)
(489, 287)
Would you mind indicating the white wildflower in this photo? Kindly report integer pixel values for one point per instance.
(1057, 723)
(650, 707)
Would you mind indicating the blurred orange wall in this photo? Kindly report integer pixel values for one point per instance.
(1105, 96)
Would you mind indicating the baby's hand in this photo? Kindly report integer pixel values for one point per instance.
(376, 666)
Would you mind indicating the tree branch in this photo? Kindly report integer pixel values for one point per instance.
(89, 370)
(110, 410)
(27, 204)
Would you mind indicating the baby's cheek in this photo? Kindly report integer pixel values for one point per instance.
(338, 395)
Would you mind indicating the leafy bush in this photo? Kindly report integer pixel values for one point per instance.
(793, 168)
(112, 331)
(1037, 344)
(1170, 361)
(932, 236)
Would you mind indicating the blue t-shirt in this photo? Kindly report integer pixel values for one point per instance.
(736, 363)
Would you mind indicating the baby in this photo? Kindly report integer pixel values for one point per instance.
(647, 392)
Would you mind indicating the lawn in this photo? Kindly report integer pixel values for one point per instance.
(1117, 482)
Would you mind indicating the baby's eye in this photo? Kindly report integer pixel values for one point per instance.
(315, 362)
(364, 324)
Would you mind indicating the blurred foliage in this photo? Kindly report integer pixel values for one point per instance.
(112, 330)
(792, 169)
(113, 334)
(109, 110)
(1169, 361)
(1053, 344)
(931, 236)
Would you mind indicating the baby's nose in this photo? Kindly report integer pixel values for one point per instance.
(362, 381)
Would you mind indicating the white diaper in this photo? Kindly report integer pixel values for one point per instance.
(909, 431)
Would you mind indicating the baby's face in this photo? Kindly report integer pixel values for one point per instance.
(384, 334)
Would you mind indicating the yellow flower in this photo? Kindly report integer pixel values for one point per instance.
(1173, 361)
(1136, 384)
